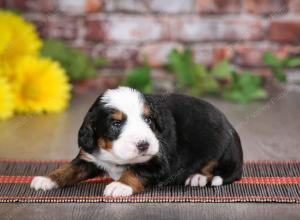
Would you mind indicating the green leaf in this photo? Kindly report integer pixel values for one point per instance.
(222, 70)
(140, 78)
(259, 94)
(292, 61)
(77, 64)
(244, 88)
(181, 64)
(191, 76)
(100, 61)
(279, 74)
(271, 60)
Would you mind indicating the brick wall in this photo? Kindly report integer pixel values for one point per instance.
(126, 31)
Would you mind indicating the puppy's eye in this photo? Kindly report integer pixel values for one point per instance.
(116, 123)
(148, 120)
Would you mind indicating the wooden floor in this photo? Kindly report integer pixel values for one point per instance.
(269, 131)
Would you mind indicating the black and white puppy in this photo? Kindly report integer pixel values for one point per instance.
(148, 140)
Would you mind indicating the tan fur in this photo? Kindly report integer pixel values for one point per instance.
(117, 115)
(105, 143)
(208, 169)
(68, 175)
(146, 111)
(129, 178)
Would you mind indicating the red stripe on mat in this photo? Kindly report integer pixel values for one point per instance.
(149, 197)
(28, 179)
(67, 161)
(244, 180)
(269, 180)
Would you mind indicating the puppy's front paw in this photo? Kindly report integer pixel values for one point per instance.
(42, 182)
(116, 189)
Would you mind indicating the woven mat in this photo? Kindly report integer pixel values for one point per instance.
(263, 181)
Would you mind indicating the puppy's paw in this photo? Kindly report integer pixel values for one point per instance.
(42, 182)
(217, 181)
(116, 189)
(196, 180)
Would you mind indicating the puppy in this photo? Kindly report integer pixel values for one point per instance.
(143, 141)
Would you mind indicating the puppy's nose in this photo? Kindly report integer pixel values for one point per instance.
(142, 146)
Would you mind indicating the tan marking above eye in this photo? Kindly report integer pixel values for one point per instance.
(105, 143)
(146, 111)
(117, 115)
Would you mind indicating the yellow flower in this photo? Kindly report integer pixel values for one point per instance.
(40, 84)
(6, 99)
(18, 38)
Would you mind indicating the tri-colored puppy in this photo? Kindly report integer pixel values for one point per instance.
(148, 140)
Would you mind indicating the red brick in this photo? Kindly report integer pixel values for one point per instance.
(136, 6)
(94, 30)
(171, 6)
(218, 6)
(288, 50)
(132, 28)
(93, 5)
(2, 3)
(118, 55)
(203, 54)
(270, 7)
(156, 53)
(295, 6)
(211, 54)
(42, 6)
(285, 31)
(221, 53)
(60, 27)
(71, 7)
(250, 55)
(165, 6)
(195, 29)
(17, 4)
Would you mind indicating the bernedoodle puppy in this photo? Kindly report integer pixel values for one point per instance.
(144, 140)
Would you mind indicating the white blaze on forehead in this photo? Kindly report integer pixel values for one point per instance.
(127, 100)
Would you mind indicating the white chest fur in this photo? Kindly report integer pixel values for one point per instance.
(103, 160)
(114, 171)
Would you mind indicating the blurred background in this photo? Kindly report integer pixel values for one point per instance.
(57, 56)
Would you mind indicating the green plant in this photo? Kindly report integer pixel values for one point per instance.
(222, 79)
(77, 64)
(244, 87)
(139, 78)
(196, 79)
(277, 65)
(191, 76)
(222, 70)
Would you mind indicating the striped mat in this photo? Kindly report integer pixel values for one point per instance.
(263, 181)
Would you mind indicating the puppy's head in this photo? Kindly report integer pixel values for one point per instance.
(120, 127)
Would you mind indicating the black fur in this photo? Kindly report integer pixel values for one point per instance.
(191, 132)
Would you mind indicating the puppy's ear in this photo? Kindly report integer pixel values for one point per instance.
(87, 135)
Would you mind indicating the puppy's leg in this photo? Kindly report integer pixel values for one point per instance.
(67, 175)
(138, 177)
(128, 184)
